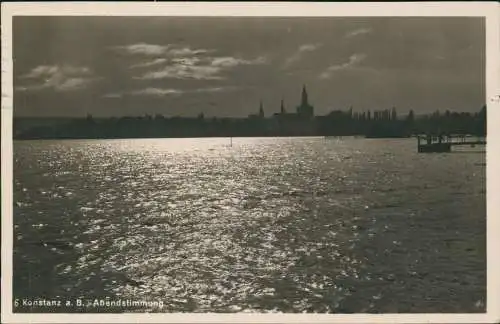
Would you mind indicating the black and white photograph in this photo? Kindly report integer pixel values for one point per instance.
(238, 164)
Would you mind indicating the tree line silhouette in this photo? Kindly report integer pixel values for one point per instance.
(372, 124)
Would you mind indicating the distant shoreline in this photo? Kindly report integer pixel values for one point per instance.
(179, 137)
(227, 137)
(380, 124)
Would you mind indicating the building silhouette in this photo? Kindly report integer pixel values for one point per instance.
(260, 114)
(282, 114)
(305, 110)
(302, 122)
(261, 110)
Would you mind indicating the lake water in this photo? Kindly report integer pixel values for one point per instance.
(265, 225)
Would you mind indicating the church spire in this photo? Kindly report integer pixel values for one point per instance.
(261, 109)
(305, 109)
(282, 106)
(304, 96)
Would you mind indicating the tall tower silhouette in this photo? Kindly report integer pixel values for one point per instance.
(261, 110)
(304, 101)
(305, 110)
(282, 107)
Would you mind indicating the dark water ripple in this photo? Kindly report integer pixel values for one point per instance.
(268, 225)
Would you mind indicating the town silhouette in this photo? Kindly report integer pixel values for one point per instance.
(300, 122)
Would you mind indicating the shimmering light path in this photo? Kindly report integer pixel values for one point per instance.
(267, 225)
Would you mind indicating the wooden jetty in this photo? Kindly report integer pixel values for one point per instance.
(444, 143)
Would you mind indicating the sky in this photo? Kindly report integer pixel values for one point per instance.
(224, 66)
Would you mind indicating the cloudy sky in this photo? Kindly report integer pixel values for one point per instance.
(114, 66)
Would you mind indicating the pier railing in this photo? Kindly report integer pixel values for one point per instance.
(443, 143)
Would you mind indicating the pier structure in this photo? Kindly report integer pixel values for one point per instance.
(443, 143)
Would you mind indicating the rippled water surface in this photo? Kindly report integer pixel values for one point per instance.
(267, 225)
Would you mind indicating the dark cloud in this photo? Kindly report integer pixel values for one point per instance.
(225, 66)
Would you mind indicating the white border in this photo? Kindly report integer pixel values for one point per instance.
(489, 10)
